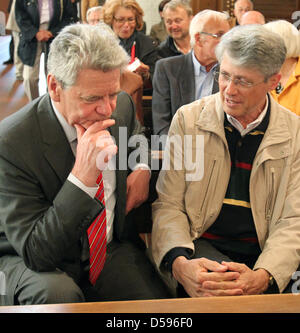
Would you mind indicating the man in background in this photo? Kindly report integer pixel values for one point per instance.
(177, 17)
(182, 79)
(39, 22)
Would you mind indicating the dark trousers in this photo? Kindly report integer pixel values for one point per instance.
(127, 275)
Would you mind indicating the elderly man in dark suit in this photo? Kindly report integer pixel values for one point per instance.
(39, 22)
(59, 190)
(182, 79)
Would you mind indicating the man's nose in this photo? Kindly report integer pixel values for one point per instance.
(105, 107)
(231, 88)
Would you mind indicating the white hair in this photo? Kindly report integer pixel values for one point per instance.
(199, 20)
(83, 46)
(289, 33)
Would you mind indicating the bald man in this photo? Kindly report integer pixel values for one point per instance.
(252, 17)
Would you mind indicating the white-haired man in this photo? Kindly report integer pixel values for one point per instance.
(228, 223)
(65, 236)
(182, 79)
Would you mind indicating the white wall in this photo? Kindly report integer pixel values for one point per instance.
(150, 8)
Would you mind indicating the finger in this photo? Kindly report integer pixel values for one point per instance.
(219, 277)
(105, 155)
(80, 131)
(104, 140)
(212, 265)
(234, 266)
(100, 125)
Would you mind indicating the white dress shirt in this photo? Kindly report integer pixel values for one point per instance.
(109, 176)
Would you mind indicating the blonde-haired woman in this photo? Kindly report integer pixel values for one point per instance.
(287, 91)
(126, 19)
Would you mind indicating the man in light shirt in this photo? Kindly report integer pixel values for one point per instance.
(182, 79)
(232, 227)
(51, 154)
(39, 22)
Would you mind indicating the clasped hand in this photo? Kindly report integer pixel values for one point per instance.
(204, 277)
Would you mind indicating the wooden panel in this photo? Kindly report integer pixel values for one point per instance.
(199, 5)
(4, 6)
(284, 303)
(277, 9)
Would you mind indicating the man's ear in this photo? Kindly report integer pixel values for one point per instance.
(273, 81)
(198, 39)
(54, 88)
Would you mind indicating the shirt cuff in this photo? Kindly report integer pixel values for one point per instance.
(91, 191)
(142, 166)
(173, 254)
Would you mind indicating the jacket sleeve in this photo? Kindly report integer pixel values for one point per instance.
(40, 229)
(281, 252)
(171, 226)
(67, 16)
(161, 100)
(25, 19)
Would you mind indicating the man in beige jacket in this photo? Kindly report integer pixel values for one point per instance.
(227, 217)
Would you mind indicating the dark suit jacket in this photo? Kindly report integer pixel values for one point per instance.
(44, 217)
(173, 86)
(28, 20)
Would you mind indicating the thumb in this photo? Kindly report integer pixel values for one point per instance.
(80, 131)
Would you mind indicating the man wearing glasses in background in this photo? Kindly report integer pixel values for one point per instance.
(182, 79)
(236, 229)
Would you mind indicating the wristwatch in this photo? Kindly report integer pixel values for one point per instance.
(271, 281)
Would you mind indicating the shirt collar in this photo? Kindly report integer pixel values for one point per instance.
(198, 67)
(69, 130)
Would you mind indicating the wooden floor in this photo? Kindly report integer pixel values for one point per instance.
(12, 95)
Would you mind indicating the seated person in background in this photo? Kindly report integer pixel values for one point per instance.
(94, 15)
(288, 90)
(177, 17)
(252, 17)
(85, 5)
(240, 8)
(57, 193)
(125, 17)
(158, 31)
(228, 221)
(183, 79)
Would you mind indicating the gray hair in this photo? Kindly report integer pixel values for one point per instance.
(185, 4)
(93, 9)
(289, 33)
(253, 46)
(83, 46)
(199, 20)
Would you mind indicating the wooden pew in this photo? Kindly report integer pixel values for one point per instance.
(281, 303)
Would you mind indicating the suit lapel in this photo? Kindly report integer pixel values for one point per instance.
(57, 149)
(187, 84)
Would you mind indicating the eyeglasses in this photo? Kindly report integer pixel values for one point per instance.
(122, 20)
(238, 82)
(218, 35)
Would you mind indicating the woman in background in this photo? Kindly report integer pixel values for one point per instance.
(126, 19)
(287, 91)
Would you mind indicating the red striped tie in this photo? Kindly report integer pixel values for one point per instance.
(97, 237)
